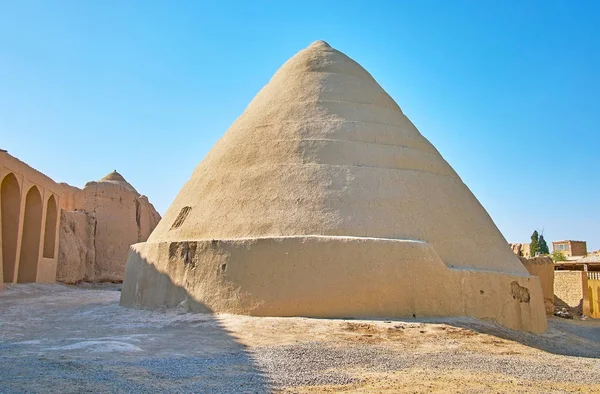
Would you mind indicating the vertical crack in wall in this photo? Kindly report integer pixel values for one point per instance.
(138, 219)
(94, 243)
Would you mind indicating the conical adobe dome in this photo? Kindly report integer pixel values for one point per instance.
(324, 163)
(324, 150)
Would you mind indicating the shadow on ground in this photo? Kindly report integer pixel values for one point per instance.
(56, 338)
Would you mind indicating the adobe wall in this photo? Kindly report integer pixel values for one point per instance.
(123, 218)
(29, 218)
(77, 254)
(73, 198)
(325, 276)
(568, 289)
(543, 268)
(110, 217)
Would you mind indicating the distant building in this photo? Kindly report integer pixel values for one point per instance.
(589, 263)
(570, 248)
(521, 250)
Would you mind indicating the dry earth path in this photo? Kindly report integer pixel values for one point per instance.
(72, 339)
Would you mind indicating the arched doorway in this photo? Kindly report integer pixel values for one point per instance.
(30, 243)
(50, 228)
(10, 201)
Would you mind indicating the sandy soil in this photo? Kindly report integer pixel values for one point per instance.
(56, 338)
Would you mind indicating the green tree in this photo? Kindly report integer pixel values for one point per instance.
(534, 246)
(558, 256)
(543, 246)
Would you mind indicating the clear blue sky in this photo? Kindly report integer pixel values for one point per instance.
(508, 91)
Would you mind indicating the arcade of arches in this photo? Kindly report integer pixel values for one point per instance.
(53, 232)
(29, 219)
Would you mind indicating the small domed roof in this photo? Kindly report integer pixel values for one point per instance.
(113, 176)
(116, 178)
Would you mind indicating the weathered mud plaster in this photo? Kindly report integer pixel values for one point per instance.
(324, 276)
(108, 216)
(323, 199)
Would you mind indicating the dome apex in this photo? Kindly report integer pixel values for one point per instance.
(320, 43)
(116, 178)
(113, 176)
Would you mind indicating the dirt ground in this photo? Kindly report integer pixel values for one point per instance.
(71, 339)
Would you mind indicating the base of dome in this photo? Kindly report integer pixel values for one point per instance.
(327, 277)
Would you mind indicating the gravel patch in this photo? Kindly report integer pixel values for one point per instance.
(313, 363)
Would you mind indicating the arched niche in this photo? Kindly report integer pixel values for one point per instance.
(10, 203)
(50, 228)
(30, 241)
